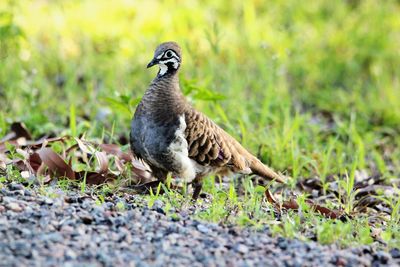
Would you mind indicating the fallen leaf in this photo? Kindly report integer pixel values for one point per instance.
(270, 197)
(86, 148)
(115, 150)
(291, 204)
(55, 163)
(35, 161)
(103, 161)
(332, 214)
(31, 144)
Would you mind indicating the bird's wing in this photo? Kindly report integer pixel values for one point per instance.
(210, 145)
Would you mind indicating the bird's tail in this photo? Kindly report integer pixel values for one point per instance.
(252, 163)
(258, 168)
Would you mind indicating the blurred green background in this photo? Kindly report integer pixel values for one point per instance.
(313, 87)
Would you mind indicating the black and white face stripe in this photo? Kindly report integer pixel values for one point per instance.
(168, 61)
(168, 54)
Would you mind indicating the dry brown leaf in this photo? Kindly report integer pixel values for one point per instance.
(141, 170)
(103, 161)
(35, 161)
(119, 164)
(86, 148)
(291, 204)
(55, 163)
(31, 144)
(20, 164)
(270, 197)
(116, 150)
(332, 214)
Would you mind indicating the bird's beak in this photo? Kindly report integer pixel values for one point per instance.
(153, 62)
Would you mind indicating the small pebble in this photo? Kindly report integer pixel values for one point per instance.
(14, 186)
(241, 248)
(70, 254)
(86, 218)
(202, 228)
(382, 256)
(395, 253)
(14, 207)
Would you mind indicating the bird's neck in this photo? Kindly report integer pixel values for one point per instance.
(164, 95)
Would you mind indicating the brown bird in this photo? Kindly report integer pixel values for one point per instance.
(173, 137)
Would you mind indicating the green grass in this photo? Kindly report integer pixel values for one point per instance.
(313, 87)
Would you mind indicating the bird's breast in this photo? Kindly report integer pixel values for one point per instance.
(163, 144)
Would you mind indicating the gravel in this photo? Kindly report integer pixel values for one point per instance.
(71, 229)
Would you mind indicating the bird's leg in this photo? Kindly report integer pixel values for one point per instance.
(197, 186)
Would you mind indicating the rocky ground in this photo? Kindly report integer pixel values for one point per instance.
(71, 229)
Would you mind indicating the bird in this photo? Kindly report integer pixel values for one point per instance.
(172, 137)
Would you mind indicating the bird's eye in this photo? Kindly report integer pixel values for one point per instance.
(168, 54)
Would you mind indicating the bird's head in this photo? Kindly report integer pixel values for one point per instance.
(168, 57)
